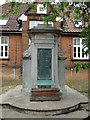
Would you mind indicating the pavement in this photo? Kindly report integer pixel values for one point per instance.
(14, 103)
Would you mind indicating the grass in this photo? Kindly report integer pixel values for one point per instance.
(79, 85)
(79, 82)
(8, 83)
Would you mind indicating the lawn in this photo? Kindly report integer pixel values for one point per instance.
(78, 81)
(8, 83)
(80, 85)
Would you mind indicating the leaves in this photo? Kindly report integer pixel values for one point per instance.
(32, 6)
(63, 10)
(84, 65)
(79, 65)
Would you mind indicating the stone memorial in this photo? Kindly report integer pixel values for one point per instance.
(44, 65)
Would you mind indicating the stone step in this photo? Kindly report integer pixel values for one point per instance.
(45, 94)
(47, 83)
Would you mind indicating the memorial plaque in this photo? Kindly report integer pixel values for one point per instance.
(44, 64)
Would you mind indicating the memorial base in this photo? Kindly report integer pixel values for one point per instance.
(45, 94)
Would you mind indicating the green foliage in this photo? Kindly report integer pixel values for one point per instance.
(79, 65)
(32, 6)
(76, 67)
(13, 8)
(63, 10)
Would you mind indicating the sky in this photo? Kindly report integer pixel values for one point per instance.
(2, 2)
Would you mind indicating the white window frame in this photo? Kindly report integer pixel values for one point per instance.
(36, 23)
(44, 11)
(77, 25)
(81, 47)
(3, 22)
(4, 45)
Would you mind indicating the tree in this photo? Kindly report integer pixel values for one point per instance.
(62, 10)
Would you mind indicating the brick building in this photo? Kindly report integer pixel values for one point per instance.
(14, 39)
(10, 42)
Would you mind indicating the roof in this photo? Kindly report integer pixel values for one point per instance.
(12, 24)
(70, 27)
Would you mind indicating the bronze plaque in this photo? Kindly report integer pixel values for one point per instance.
(44, 64)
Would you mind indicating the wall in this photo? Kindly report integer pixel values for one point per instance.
(66, 44)
(15, 56)
(81, 75)
(15, 51)
(25, 38)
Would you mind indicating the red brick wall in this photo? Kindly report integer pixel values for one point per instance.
(15, 51)
(25, 38)
(9, 73)
(81, 75)
(15, 45)
(66, 44)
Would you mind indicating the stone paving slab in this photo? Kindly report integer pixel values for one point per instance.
(8, 113)
(14, 97)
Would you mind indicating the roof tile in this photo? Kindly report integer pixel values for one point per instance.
(12, 19)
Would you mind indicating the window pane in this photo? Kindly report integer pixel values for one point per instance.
(1, 48)
(74, 49)
(74, 54)
(78, 41)
(83, 40)
(35, 23)
(1, 53)
(6, 41)
(78, 51)
(32, 24)
(6, 48)
(6, 54)
(74, 42)
(2, 40)
(78, 54)
(39, 22)
(41, 8)
(82, 53)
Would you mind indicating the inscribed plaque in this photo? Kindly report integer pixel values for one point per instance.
(44, 64)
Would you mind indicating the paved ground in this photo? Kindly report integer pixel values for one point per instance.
(49, 109)
(7, 113)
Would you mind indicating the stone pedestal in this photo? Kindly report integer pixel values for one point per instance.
(45, 94)
(44, 64)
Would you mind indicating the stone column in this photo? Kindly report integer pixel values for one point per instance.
(61, 71)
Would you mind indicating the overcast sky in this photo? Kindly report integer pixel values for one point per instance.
(3, 1)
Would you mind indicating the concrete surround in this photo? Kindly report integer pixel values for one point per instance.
(43, 36)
